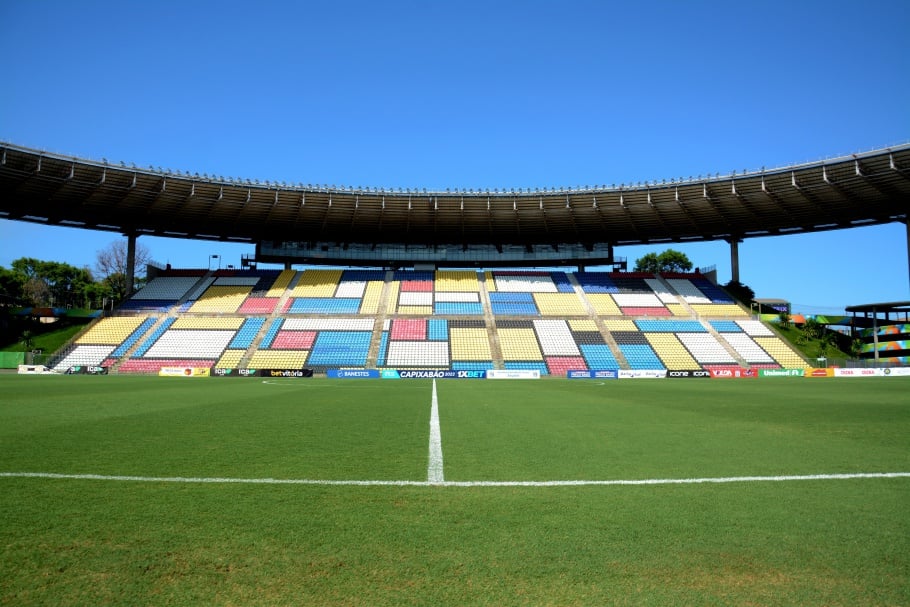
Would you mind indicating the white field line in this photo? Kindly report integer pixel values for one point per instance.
(428, 483)
(434, 467)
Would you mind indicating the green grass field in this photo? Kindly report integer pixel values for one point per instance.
(173, 534)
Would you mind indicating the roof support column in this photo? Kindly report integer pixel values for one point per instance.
(130, 262)
(734, 258)
(875, 336)
(907, 225)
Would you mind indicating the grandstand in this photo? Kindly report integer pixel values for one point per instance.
(552, 322)
(411, 312)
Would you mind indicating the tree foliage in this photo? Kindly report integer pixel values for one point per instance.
(34, 282)
(46, 283)
(668, 261)
(741, 292)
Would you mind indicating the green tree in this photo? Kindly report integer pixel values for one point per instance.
(51, 283)
(827, 343)
(743, 293)
(27, 339)
(668, 261)
(12, 287)
(812, 328)
(784, 319)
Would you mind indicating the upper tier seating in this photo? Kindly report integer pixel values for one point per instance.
(221, 299)
(167, 288)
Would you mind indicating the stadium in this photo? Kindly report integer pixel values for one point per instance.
(229, 435)
(397, 306)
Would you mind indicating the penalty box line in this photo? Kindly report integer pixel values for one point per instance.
(428, 483)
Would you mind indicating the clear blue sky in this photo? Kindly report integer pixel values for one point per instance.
(471, 95)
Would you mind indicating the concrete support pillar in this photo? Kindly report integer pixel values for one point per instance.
(734, 259)
(130, 262)
(907, 225)
(875, 335)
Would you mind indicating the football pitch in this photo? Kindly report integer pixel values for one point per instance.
(245, 491)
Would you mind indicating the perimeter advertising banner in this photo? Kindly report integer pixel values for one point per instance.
(859, 373)
(88, 370)
(352, 374)
(687, 374)
(734, 373)
(219, 372)
(642, 374)
(781, 372)
(820, 373)
(593, 374)
(513, 374)
(883, 372)
(184, 372)
(431, 374)
(290, 373)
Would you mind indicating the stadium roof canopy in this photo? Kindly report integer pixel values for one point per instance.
(53, 189)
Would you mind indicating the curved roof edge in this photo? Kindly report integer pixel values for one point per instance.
(478, 192)
(864, 189)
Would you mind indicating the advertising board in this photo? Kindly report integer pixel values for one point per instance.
(593, 374)
(858, 372)
(289, 373)
(781, 372)
(513, 374)
(184, 372)
(431, 374)
(734, 373)
(33, 370)
(221, 372)
(687, 374)
(642, 374)
(820, 373)
(352, 374)
(87, 370)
